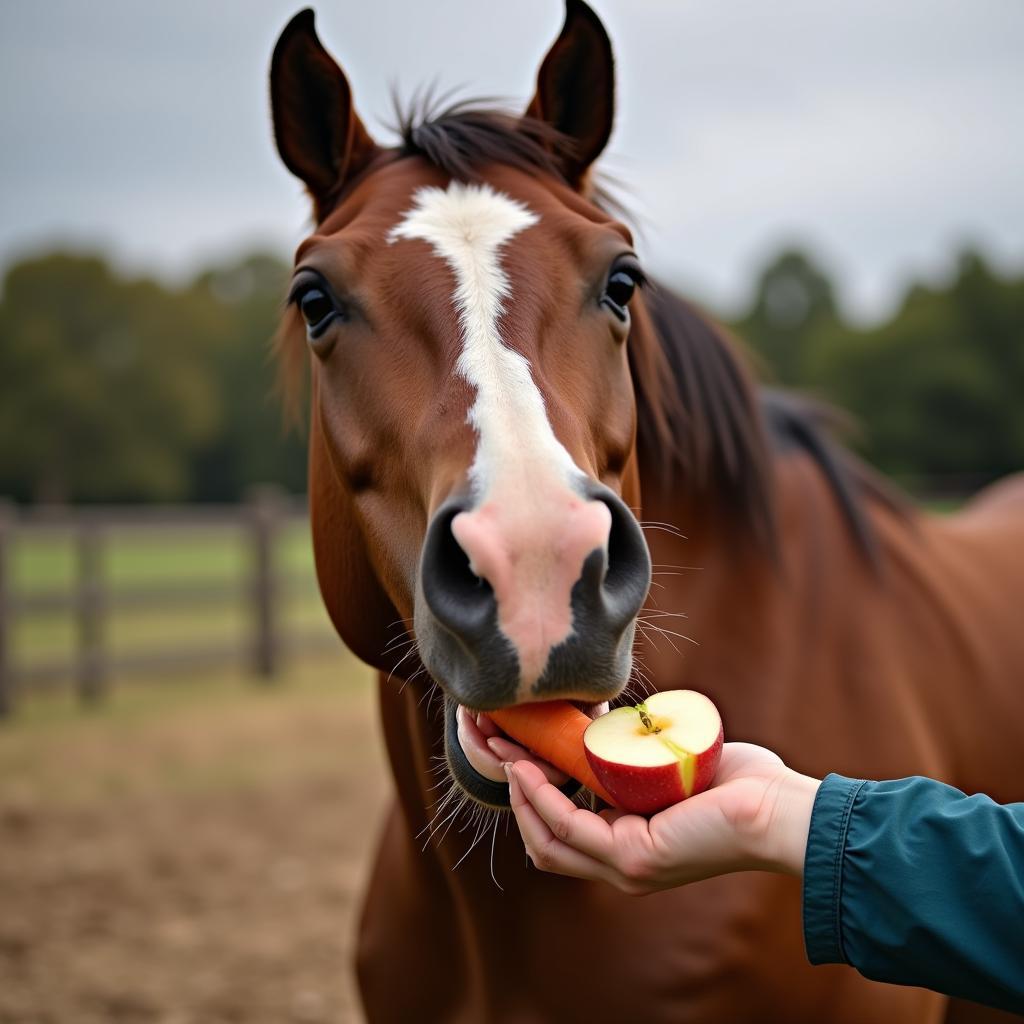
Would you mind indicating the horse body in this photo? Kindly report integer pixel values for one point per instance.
(910, 669)
(492, 393)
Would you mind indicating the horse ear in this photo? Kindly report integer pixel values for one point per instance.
(319, 135)
(576, 88)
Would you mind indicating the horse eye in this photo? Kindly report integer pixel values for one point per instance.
(317, 309)
(622, 283)
(620, 288)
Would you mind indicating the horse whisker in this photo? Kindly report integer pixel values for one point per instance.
(404, 657)
(494, 838)
(647, 636)
(664, 528)
(672, 632)
(398, 643)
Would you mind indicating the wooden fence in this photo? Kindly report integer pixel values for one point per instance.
(91, 598)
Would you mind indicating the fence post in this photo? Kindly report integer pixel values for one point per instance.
(265, 505)
(90, 609)
(6, 610)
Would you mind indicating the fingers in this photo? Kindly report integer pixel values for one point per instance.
(487, 725)
(574, 826)
(697, 838)
(505, 750)
(546, 850)
(474, 746)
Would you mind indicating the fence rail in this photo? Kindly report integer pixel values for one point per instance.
(92, 597)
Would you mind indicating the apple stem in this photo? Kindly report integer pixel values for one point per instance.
(646, 718)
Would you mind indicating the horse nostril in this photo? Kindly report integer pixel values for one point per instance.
(627, 577)
(453, 563)
(462, 601)
(568, 604)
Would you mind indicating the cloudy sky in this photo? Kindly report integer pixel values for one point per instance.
(882, 134)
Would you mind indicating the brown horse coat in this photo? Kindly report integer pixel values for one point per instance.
(915, 669)
(835, 625)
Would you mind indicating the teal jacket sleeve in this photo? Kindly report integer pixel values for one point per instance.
(913, 882)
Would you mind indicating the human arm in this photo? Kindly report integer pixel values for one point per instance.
(915, 883)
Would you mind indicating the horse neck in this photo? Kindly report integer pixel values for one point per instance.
(875, 670)
(710, 580)
(771, 629)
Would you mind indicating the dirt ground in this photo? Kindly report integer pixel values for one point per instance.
(193, 854)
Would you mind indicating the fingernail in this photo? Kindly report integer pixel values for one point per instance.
(491, 746)
(507, 765)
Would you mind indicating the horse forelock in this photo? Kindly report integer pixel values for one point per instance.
(463, 137)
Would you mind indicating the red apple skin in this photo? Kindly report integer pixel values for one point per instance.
(638, 790)
(707, 765)
(647, 790)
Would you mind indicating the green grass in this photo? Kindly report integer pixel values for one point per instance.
(46, 560)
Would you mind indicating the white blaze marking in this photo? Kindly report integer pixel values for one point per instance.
(467, 225)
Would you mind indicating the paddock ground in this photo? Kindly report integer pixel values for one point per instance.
(190, 853)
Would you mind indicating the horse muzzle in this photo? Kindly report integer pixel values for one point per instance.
(535, 600)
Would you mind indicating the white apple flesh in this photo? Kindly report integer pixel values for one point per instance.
(655, 754)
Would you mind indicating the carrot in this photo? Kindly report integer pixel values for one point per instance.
(553, 730)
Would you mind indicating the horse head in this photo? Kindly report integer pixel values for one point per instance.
(465, 303)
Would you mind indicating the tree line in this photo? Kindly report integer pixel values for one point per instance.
(125, 389)
(114, 388)
(935, 391)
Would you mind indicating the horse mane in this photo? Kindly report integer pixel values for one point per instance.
(699, 428)
(703, 423)
(705, 426)
(799, 422)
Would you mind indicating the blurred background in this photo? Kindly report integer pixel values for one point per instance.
(190, 773)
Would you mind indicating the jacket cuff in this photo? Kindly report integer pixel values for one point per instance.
(823, 869)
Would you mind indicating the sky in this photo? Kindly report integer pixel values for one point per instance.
(882, 135)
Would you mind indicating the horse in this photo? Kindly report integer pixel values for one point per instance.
(513, 436)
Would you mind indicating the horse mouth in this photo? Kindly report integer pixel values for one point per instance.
(592, 709)
(478, 748)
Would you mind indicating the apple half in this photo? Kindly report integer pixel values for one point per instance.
(655, 754)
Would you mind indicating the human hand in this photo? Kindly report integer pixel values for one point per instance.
(755, 816)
